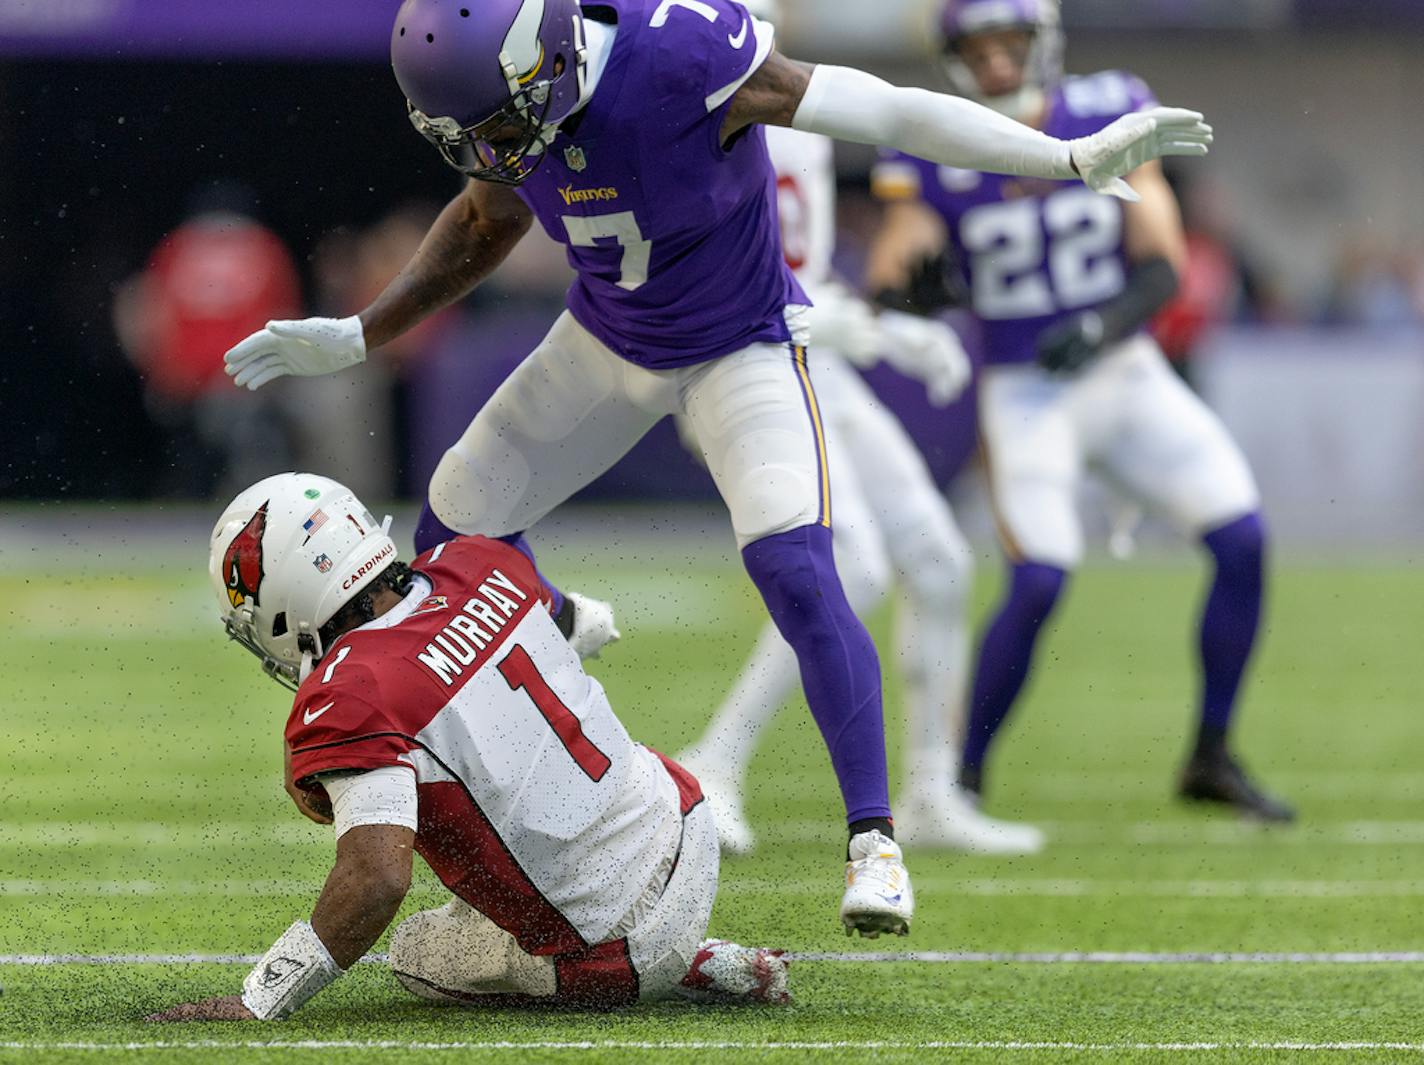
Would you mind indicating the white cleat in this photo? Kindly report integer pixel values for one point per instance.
(878, 897)
(952, 821)
(734, 832)
(594, 627)
(727, 973)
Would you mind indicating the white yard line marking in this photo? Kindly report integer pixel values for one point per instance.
(1131, 957)
(934, 957)
(1169, 833)
(110, 888)
(157, 834)
(986, 887)
(1047, 887)
(664, 1045)
(160, 834)
(154, 835)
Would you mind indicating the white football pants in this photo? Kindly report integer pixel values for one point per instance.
(1127, 417)
(892, 526)
(573, 408)
(455, 954)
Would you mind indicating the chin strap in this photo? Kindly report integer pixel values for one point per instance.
(310, 645)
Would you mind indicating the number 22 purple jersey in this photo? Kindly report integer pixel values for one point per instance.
(674, 237)
(1033, 251)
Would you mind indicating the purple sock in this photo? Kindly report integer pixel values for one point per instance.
(840, 673)
(1230, 620)
(1006, 653)
(430, 531)
(520, 544)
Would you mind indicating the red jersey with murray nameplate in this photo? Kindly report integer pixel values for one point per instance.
(535, 805)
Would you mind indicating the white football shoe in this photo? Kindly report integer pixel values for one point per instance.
(594, 628)
(728, 973)
(951, 821)
(878, 897)
(724, 796)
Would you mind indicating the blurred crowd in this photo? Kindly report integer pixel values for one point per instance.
(222, 271)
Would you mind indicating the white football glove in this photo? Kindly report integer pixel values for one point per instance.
(306, 347)
(593, 625)
(841, 321)
(927, 350)
(1104, 157)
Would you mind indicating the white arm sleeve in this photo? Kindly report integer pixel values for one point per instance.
(384, 796)
(851, 105)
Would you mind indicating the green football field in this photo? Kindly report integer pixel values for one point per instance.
(142, 816)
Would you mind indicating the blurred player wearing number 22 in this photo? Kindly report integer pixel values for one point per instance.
(1062, 284)
(632, 130)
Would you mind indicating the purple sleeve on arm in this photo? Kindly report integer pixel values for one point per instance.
(727, 43)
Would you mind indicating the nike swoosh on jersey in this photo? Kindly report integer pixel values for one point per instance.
(308, 716)
(741, 36)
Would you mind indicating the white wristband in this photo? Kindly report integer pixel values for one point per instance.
(851, 105)
(296, 967)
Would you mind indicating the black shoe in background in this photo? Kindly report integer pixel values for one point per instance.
(1217, 777)
(971, 782)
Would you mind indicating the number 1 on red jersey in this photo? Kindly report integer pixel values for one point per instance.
(519, 671)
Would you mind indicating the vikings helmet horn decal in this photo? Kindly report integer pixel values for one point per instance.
(242, 564)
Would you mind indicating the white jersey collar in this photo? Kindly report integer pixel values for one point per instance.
(598, 40)
(420, 588)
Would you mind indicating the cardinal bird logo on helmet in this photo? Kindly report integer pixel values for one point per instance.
(242, 564)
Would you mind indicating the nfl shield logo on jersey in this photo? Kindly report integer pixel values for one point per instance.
(323, 563)
(576, 160)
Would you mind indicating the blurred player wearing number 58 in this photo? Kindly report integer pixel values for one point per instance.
(1062, 284)
(441, 710)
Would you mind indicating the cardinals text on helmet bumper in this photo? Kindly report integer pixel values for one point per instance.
(367, 566)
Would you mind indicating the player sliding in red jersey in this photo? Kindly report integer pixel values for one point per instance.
(441, 710)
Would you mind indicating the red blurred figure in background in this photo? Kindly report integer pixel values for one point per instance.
(208, 283)
(1208, 289)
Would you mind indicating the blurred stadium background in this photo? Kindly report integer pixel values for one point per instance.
(125, 125)
(123, 120)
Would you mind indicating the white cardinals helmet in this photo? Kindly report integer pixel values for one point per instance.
(285, 556)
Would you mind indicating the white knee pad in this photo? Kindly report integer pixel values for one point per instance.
(771, 498)
(454, 952)
(472, 497)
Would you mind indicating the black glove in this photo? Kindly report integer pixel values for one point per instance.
(1076, 341)
(935, 284)
(1069, 345)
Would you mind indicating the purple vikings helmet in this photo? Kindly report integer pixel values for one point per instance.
(1044, 69)
(488, 81)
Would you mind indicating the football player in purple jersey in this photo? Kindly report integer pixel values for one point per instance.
(1062, 284)
(631, 129)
